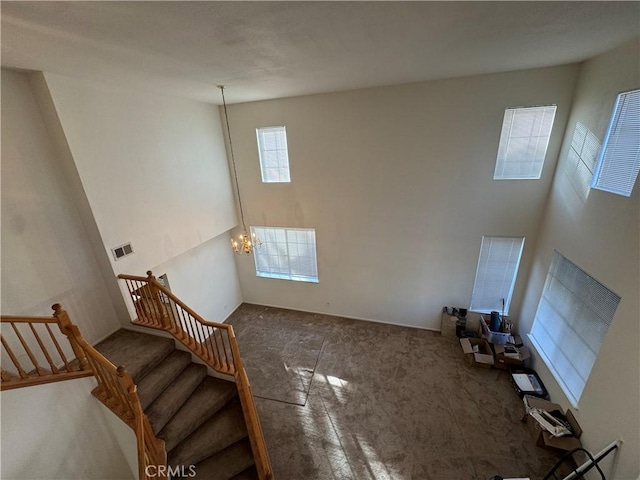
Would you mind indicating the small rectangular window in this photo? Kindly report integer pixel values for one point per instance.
(573, 317)
(286, 253)
(274, 155)
(619, 159)
(523, 142)
(496, 273)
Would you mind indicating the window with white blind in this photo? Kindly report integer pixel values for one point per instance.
(274, 155)
(619, 160)
(286, 253)
(573, 317)
(496, 273)
(523, 142)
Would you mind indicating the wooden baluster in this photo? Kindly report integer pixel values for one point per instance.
(157, 299)
(214, 346)
(39, 370)
(186, 325)
(211, 348)
(67, 328)
(54, 369)
(14, 359)
(136, 302)
(60, 352)
(174, 319)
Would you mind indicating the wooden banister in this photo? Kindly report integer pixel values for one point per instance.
(214, 343)
(115, 389)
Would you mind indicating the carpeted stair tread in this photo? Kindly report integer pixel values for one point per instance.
(137, 352)
(226, 464)
(210, 396)
(222, 430)
(175, 395)
(249, 474)
(158, 379)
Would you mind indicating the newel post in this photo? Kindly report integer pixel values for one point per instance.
(69, 330)
(157, 300)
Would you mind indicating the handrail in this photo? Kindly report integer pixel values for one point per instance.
(214, 343)
(115, 389)
(36, 354)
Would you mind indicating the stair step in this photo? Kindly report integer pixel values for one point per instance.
(249, 474)
(138, 352)
(222, 430)
(210, 396)
(158, 379)
(226, 464)
(175, 395)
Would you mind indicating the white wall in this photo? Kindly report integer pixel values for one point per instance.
(206, 279)
(59, 431)
(600, 234)
(46, 256)
(153, 168)
(398, 183)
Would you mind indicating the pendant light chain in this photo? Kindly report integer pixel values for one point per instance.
(246, 242)
(233, 159)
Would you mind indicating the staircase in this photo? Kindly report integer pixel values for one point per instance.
(198, 416)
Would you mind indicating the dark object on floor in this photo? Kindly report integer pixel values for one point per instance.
(526, 381)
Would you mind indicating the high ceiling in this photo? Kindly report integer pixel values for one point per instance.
(263, 50)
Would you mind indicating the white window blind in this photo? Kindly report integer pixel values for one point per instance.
(619, 160)
(286, 253)
(523, 142)
(573, 317)
(274, 155)
(496, 274)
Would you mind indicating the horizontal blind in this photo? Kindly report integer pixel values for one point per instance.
(286, 253)
(274, 154)
(523, 142)
(573, 317)
(619, 160)
(496, 273)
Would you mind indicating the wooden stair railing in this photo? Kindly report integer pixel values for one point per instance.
(214, 343)
(33, 354)
(115, 389)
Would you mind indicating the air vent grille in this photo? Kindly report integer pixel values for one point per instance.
(122, 251)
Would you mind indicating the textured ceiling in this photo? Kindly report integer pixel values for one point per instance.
(263, 50)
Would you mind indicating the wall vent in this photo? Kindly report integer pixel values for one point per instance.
(122, 251)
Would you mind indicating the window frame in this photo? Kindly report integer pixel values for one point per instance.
(293, 276)
(480, 268)
(502, 157)
(282, 163)
(600, 163)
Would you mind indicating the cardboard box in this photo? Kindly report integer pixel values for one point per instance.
(482, 356)
(505, 362)
(498, 338)
(545, 439)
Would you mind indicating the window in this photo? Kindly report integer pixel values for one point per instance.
(496, 274)
(286, 253)
(574, 314)
(274, 156)
(619, 159)
(523, 142)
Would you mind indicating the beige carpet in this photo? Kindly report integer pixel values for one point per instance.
(387, 402)
(280, 363)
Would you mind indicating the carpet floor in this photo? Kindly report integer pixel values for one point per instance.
(384, 402)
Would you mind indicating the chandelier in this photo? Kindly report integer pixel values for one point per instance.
(245, 243)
